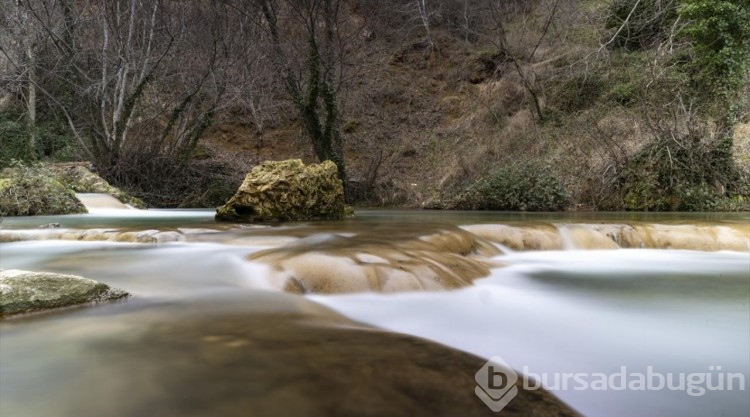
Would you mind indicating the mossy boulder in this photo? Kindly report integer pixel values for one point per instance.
(287, 191)
(32, 191)
(24, 291)
(80, 179)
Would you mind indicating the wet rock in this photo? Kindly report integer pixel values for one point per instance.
(24, 291)
(170, 236)
(287, 191)
(445, 258)
(708, 237)
(254, 354)
(92, 235)
(535, 237)
(696, 237)
(34, 191)
(141, 236)
(80, 179)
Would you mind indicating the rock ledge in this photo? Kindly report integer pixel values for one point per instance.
(26, 291)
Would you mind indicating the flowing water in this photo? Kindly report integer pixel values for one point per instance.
(96, 202)
(280, 320)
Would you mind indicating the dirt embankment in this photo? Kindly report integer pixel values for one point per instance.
(422, 124)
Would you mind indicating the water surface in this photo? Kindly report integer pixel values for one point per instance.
(199, 305)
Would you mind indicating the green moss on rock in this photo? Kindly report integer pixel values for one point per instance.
(81, 180)
(32, 191)
(24, 291)
(287, 191)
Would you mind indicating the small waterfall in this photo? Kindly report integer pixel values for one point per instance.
(566, 239)
(342, 263)
(579, 236)
(98, 201)
(582, 236)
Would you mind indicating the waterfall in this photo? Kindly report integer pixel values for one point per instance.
(98, 201)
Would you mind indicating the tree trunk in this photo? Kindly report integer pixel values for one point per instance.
(318, 104)
(31, 102)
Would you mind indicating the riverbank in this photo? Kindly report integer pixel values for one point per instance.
(552, 117)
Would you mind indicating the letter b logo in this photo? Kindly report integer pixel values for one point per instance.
(496, 384)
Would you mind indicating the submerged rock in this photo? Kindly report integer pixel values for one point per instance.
(287, 191)
(441, 259)
(34, 191)
(25, 291)
(246, 353)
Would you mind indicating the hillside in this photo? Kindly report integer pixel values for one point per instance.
(532, 105)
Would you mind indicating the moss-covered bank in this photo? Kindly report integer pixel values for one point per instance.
(79, 178)
(50, 189)
(34, 191)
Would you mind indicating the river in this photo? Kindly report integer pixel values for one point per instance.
(590, 295)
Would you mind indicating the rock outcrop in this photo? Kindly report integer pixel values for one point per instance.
(25, 291)
(80, 179)
(50, 189)
(33, 191)
(445, 258)
(287, 191)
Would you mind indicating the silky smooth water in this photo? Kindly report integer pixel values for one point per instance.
(543, 312)
(593, 312)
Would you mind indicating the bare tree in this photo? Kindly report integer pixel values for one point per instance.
(523, 64)
(251, 86)
(306, 50)
(424, 15)
(19, 47)
(146, 76)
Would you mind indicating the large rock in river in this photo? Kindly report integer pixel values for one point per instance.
(24, 291)
(287, 191)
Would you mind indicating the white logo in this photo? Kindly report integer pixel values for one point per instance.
(496, 384)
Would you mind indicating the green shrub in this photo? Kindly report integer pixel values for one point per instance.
(720, 35)
(212, 185)
(737, 197)
(52, 140)
(12, 139)
(164, 182)
(579, 92)
(643, 26)
(524, 186)
(623, 94)
(687, 173)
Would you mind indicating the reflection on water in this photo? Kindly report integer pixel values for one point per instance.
(205, 336)
(474, 217)
(374, 218)
(118, 218)
(232, 354)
